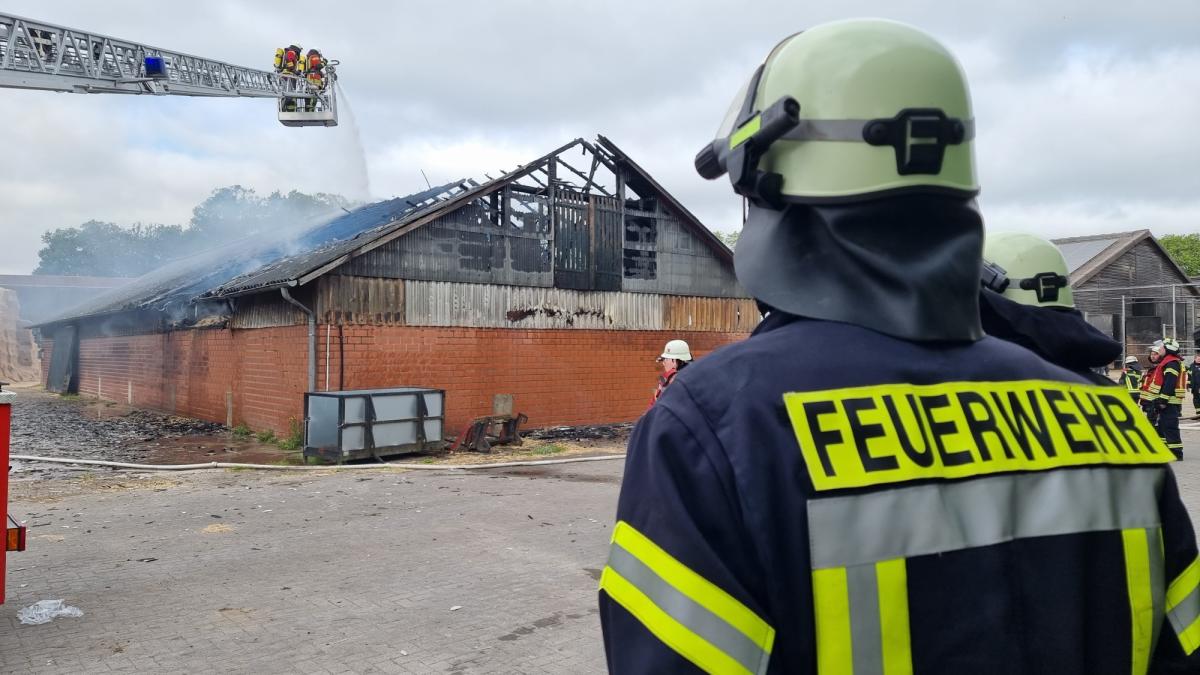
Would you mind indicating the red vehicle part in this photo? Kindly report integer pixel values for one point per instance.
(14, 534)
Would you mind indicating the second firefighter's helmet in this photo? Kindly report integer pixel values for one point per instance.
(1027, 269)
(845, 111)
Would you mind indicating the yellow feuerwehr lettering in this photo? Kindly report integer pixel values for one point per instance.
(867, 427)
(898, 432)
(1079, 438)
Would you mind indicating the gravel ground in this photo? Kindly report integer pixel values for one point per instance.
(49, 425)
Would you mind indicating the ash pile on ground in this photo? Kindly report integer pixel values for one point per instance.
(49, 425)
(600, 432)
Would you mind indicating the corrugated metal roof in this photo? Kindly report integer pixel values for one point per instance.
(1078, 253)
(250, 264)
(1087, 255)
(332, 240)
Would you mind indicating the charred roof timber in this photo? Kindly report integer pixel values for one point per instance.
(596, 224)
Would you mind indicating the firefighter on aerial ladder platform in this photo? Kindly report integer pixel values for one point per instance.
(289, 61)
(314, 71)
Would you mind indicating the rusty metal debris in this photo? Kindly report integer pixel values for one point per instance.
(484, 432)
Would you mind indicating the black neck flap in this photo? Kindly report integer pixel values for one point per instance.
(906, 266)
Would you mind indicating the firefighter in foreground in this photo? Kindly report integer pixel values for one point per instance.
(950, 504)
(1166, 387)
(1027, 299)
(1131, 378)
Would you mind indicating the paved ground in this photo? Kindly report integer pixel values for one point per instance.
(351, 572)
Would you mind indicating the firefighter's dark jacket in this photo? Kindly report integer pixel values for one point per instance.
(1059, 335)
(788, 514)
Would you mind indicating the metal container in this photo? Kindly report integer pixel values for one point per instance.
(345, 425)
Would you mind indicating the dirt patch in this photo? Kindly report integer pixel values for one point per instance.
(217, 528)
(34, 491)
(211, 448)
(530, 450)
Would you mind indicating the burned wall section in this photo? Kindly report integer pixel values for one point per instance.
(661, 255)
(562, 238)
(266, 310)
(502, 238)
(430, 303)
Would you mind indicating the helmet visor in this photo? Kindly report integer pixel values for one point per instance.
(735, 108)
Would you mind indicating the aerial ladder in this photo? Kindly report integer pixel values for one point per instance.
(46, 57)
(43, 56)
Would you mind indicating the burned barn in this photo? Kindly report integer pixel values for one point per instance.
(556, 283)
(1127, 285)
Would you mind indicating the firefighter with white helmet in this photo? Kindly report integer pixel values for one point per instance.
(675, 357)
(1164, 392)
(951, 504)
(1027, 299)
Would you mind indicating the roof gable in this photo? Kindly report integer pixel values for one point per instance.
(1088, 255)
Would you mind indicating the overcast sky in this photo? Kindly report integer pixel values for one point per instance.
(1088, 111)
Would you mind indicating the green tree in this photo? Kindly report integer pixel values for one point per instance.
(233, 212)
(730, 238)
(1185, 250)
(105, 249)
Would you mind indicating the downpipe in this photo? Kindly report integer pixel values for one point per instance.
(312, 337)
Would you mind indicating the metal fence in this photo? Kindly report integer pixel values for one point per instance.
(1137, 316)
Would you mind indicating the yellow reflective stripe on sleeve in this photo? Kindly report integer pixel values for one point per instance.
(893, 617)
(687, 609)
(1141, 603)
(1183, 607)
(708, 595)
(664, 627)
(1183, 585)
(831, 603)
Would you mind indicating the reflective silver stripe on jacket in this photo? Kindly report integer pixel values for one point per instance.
(952, 516)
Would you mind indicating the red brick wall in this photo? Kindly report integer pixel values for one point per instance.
(557, 377)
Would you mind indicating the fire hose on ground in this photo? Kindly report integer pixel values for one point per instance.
(326, 467)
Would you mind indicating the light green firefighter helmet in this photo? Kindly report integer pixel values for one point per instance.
(1035, 270)
(845, 111)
